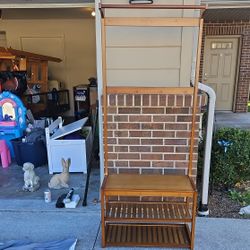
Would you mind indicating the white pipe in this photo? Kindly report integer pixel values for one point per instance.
(203, 209)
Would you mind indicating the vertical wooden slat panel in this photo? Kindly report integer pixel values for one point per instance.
(119, 231)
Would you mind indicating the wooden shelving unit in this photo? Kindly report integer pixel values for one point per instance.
(170, 221)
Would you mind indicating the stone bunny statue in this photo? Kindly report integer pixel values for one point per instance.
(61, 180)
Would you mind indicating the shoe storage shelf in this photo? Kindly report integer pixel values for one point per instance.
(145, 223)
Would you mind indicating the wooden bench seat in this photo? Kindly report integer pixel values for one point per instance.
(131, 184)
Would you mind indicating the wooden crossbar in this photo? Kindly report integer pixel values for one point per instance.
(152, 6)
(152, 22)
(102, 7)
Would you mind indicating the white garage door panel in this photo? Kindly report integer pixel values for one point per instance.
(144, 78)
(143, 58)
(143, 36)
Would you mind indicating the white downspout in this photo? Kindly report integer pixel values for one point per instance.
(203, 206)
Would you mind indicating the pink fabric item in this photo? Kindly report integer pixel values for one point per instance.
(5, 154)
(8, 123)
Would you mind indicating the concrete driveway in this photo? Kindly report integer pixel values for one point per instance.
(84, 224)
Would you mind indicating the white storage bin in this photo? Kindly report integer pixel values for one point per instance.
(78, 150)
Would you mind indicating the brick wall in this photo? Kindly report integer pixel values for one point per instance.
(234, 28)
(149, 133)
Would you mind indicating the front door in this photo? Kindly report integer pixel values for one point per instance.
(220, 63)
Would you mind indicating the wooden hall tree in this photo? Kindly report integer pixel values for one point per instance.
(152, 209)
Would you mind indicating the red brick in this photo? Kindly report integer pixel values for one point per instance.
(112, 141)
(183, 134)
(188, 101)
(121, 148)
(110, 163)
(182, 149)
(175, 126)
(177, 110)
(165, 118)
(171, 100)
(129, 141)
(140, 149)
(109, 118)
(151, 156)
(110, 149)
(120, 118)
(163, 100)
(140, 133)
(129, 110)
(138, 99)
(129, 171)
(179, 100)
(128, 156)
(187, 118)
(152, 141)
(197, 126)
(139, 163)
(175, 171)
(153, 110)
(181, 164)
(112, 110)
(121, 163)
(195, 157)
(145, 100)
(112, 100)
(152, 171)
(128, 125)
(110, 133)
(152, 126)
(111, 125)
(129, 100)
(121, 133)
(163, 164)
(163, 134)
(174, 157)
(162, 149)
(175, 142)
(141, 118)
(120, 100)
(112, 156)
(154, 100)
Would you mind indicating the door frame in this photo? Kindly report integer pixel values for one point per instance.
(236, 81)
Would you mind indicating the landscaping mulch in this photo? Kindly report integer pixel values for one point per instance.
(221, 206)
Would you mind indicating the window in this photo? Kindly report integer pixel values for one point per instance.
(221, 45)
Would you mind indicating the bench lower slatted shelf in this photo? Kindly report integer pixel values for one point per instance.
(170, 235)
(168, 222)
(147, 211)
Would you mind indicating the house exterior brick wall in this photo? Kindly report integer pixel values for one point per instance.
(150, 133)
(228, 29)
